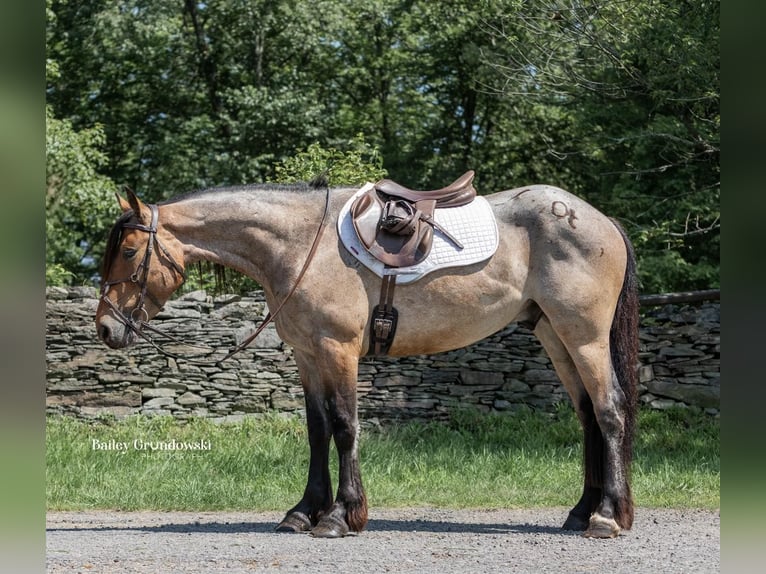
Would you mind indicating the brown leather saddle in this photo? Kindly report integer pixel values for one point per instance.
(396, 225)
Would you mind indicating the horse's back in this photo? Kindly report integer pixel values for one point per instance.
(555, 251)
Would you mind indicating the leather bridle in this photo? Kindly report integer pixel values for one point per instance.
(138, 318)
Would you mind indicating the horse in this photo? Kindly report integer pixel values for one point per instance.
(561, 267)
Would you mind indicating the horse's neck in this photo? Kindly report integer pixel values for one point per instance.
(255, 232)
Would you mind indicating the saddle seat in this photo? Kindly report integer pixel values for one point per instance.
(459, 192)
(396, 225)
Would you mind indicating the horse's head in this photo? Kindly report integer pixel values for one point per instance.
(142, 267)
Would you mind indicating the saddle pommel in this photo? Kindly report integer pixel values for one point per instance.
(459, 192)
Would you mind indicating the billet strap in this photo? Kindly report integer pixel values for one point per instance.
(384, 319)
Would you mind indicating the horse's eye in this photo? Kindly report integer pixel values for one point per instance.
(128, 253)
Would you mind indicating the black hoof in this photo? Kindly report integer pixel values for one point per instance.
(295, 522)
(330, 527)
(575, 523)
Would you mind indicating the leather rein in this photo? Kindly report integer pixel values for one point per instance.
(138, 318)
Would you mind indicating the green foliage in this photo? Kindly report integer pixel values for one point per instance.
(615, 101)
(520, 460)
(360, 163)
(79, 202)
(639, 82)
(664, 270)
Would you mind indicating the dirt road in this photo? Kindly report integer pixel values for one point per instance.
(401, 540)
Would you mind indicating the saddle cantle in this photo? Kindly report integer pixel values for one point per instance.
(396, 224)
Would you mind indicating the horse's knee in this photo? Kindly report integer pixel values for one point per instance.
(345, 427)
(345, 433)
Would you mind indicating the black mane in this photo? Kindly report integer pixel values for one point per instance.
(113, 244)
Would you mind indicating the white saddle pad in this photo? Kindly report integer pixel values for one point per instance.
(473, 225)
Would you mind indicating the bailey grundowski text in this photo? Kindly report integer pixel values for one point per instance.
(149, 445)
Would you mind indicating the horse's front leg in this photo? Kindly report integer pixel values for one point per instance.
(349, 511)
(317, 497)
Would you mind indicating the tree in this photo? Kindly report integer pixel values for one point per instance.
(615, 101)
(78, 202)
(77, 197)
(639, 81)
(190, 94)
(357, 164)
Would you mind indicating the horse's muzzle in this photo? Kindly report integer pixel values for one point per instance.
(114, 333)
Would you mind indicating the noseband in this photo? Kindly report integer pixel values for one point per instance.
(138, 318)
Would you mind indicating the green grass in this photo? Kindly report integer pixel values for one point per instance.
(473, 460)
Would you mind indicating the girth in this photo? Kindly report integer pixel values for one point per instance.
(396, 225)
(384, 319)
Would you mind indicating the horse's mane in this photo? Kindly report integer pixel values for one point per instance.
(113, 244)
(319, 182)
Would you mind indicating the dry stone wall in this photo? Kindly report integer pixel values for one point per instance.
(680, 354)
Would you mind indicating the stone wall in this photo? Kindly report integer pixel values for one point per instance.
(680, 353)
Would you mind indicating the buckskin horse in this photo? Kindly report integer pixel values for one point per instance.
(560, 266)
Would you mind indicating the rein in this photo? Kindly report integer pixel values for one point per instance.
(137, 324)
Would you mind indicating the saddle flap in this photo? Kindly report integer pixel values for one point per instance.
(473, 225)
(366, 212)
(394, 233)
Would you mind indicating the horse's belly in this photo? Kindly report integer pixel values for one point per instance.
(451, 312)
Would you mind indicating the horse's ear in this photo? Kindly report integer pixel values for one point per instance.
(141, 211)
(124, 205)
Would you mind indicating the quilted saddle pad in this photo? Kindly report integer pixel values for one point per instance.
(473, 225)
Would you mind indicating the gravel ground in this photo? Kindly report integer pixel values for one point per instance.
(396, 540)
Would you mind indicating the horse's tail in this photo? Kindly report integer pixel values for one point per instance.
(623, 340)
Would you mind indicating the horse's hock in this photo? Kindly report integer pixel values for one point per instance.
(679, 354)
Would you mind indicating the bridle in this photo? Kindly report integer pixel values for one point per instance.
(138, 318)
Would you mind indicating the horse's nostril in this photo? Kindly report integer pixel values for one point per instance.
(105, 332)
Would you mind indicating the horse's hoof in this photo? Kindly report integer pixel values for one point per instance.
(330, 527)
(294, 522)
(575, 523)
(601, 527)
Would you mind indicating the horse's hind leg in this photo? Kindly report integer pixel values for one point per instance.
(586, 366)
(610, 408)
(593, 440)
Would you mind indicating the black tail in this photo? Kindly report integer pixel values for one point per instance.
(623, 340)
